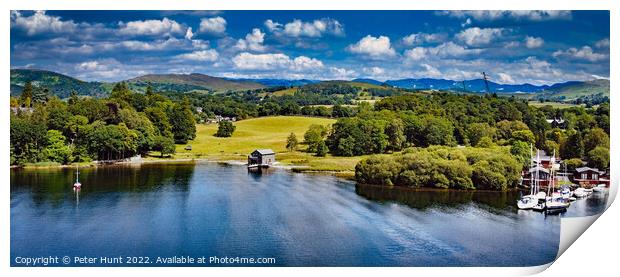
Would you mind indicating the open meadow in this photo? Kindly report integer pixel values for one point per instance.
(261, 133)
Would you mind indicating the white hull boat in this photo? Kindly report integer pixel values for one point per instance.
(527, 202)
(580, 193)
(599, 188)
(554, 206)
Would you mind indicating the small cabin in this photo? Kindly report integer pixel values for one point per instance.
(261, 158)
(539, 173)
(588, 175)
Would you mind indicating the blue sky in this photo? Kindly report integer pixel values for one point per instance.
(538, 47)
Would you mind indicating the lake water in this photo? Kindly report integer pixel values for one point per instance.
(207, 209)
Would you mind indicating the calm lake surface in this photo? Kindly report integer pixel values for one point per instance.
(207, 209)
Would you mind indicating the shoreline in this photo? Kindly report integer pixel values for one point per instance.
(296, 169)
(305, 169)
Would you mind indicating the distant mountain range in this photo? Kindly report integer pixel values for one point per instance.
(564, 91)
(478, 85)
(62, 85)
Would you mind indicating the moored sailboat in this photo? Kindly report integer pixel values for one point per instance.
(555, 203)
(77, 183)
(531, 200)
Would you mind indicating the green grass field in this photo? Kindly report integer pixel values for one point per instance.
(556, 105)
(264, 132)
(288, 91)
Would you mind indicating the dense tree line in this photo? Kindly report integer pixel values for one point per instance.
(84, 129)
(443, 167)
(242, 105)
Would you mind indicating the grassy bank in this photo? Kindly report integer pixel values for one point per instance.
(260, 133)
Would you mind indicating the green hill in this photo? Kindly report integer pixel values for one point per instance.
(579, 89)
(188, 82)
(58, 84)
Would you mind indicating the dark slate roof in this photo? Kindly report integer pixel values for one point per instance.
(585, 168)
(265, 151)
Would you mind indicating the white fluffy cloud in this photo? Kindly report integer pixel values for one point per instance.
(99, 69)
(603, 43)
(430, 71)
(444, 50)
(151, 27)
(584, 53)
(373, 47)
(213, 25)
(341, 73)
(374, 71)
(421, 38)
(253, 41)
(505, 78)
(248, 61)
(489, 15)
(305, 63)
(533, 42)
(89, 65)
(298, 28)
(39, 22)
(189, 34)
(138, 45)
(479, 36)
(272, 26)
(202, 56)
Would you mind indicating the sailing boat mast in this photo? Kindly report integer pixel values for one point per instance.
(531, 173)
(537, 181)
(551, 181)
(77, 183)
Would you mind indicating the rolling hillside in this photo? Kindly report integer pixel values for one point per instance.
(577, 89)
(194, 81)
(59, 84)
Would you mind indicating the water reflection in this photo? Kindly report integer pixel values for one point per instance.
(591, 205)
(495, 201)
(257, 172)
(77, 196)
(51, 185)
(426, 198)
